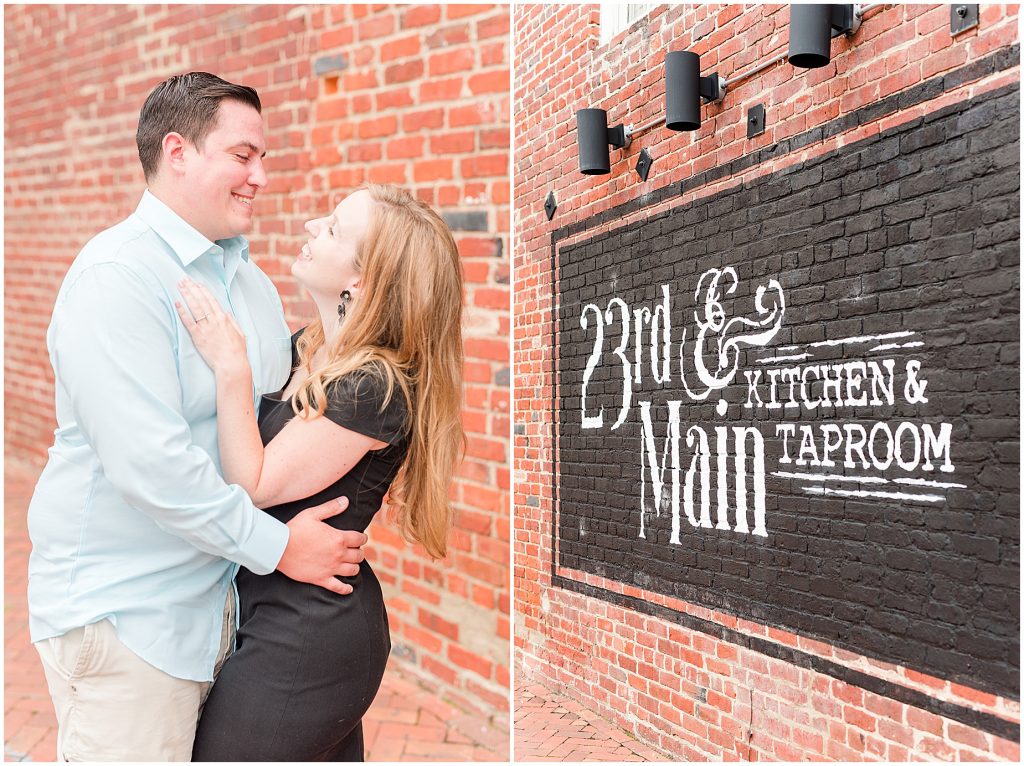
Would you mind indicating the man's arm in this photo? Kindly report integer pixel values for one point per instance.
(114, 353)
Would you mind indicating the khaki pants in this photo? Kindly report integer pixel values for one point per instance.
(113, 706)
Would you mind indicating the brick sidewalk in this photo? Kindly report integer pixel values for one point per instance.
(553, 727)
(407, 722)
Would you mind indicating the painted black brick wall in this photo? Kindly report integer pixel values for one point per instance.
(914, 231)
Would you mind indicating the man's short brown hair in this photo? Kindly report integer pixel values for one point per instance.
(187, 104)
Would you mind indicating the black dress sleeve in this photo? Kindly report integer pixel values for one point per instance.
(356, 402)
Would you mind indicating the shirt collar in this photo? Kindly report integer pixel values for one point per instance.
(187, 243)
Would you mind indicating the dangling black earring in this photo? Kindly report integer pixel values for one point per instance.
(346, 296)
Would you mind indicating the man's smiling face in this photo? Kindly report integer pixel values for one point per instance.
(223, 176)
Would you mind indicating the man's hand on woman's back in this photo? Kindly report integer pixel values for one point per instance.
(316, 551)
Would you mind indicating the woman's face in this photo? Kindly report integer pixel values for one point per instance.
(326, 266)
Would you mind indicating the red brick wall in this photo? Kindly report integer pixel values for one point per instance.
(412, 95)
(694, 695)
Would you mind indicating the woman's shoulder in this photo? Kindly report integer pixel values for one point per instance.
(365, 395)
(368, 383)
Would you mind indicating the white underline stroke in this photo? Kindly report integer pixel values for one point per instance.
(770, 359)
(863, 338)
(857, 339)
(866, 493)
(930, 483)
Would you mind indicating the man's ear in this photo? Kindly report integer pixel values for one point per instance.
(174, 149)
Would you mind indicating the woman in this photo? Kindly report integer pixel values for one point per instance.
(372, 407)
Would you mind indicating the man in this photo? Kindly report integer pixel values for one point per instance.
(136, 537)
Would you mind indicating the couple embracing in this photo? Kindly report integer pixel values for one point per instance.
(197, 588)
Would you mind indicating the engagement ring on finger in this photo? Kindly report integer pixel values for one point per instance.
(200, 319)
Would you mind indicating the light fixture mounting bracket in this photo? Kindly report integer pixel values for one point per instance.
(643, 164)
(962, 17)
(755, 121)
(620, 136)
(712, 88)
(550, 205)
(845, 20)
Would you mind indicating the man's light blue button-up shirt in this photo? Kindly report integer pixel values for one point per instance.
(131, 519)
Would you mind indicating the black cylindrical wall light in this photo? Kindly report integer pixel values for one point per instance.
(811, 29)
(684, 89)
(810, 35)
(593, 136)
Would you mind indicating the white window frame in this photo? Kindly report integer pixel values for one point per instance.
(616, 17)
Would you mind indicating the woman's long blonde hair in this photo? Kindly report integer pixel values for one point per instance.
(405, 326)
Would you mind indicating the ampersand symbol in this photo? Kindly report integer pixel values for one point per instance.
(913, 391)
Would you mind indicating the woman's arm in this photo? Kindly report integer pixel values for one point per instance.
(220, 342)
(307, 456)
(238, 435)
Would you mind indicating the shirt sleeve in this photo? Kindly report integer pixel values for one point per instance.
(113, 352)
(356, 402)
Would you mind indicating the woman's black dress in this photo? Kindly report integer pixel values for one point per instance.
(308, 662)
